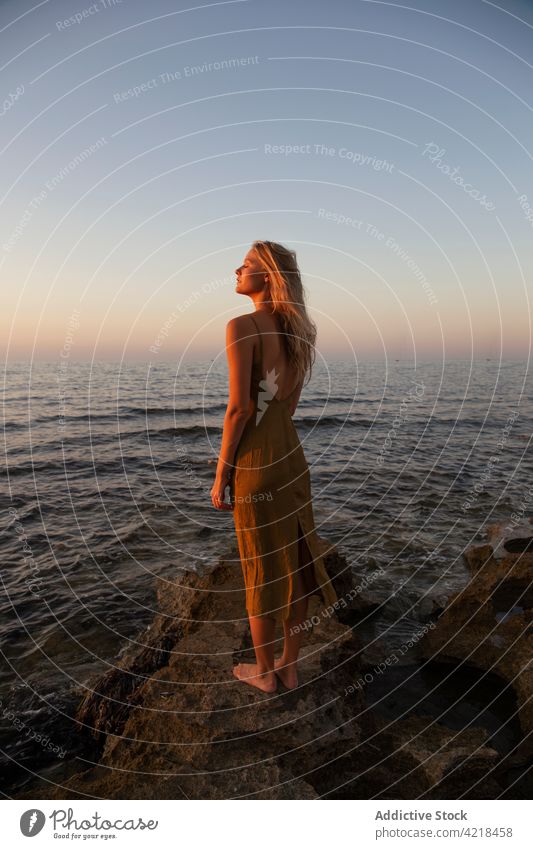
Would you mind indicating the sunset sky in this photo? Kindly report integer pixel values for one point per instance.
(144, 146)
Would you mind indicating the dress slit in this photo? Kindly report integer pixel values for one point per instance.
(307, 569)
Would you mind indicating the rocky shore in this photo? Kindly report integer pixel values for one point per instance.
(450, 718)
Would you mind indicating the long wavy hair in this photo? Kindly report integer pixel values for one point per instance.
(288, 300)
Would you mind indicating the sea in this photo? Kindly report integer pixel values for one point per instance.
(106, 487)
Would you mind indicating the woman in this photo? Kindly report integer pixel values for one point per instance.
(262, 461)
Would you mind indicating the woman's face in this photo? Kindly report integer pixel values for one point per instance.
(250, 275)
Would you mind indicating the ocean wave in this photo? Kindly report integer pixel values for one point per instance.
(329, 421)
(177, 431)
(171, 411)
(16, 425)
(124, 413)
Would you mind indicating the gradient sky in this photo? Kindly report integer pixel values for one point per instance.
(138, 239)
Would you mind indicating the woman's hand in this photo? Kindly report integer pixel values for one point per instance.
(218, 489)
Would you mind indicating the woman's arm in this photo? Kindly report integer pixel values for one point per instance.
(239, 352)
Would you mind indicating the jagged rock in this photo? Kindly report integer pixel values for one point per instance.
(174, 723)
(488, 624)
(429, 608)
(417, 757)
(177, 724)
(356, 597)
(515, 537)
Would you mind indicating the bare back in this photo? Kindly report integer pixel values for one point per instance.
(274, 355)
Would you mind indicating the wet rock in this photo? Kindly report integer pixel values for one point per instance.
(417, 757)
(488, 624)
(515, 537)
(356, 596)
(429, 608)
(204, 533)
(174, 723)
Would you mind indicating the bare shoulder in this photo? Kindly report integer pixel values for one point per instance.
(239, 320)
(239, 326)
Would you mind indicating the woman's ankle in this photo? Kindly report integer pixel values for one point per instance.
(286, 664)
(264, 671)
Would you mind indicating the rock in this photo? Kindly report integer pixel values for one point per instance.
(488, 624)
(204, 532)
(429, 608)
(173, 722)
(416, 757)
(355, 595)
(510, 538)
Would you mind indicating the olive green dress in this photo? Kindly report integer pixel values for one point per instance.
(270, 491)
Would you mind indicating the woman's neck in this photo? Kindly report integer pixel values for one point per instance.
(265, 306)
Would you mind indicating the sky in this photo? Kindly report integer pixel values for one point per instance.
(145, 146)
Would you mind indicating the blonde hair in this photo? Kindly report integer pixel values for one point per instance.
(287, 295)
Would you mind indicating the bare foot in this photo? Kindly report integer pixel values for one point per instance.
(286, 673)
(247, 672)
